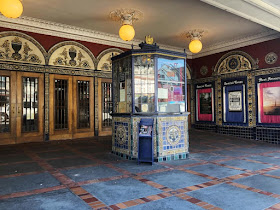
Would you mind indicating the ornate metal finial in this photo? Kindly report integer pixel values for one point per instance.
(149, 39)
(126, 16)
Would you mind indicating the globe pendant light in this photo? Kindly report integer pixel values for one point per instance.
(195, 45)
(127, 32)
(11, 8)
(126, 17)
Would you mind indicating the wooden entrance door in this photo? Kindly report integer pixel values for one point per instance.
(21, 107)
(83, 109)
(71, 105)
(30, 107)
(105, 106)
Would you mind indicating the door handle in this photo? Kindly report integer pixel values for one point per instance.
(13, 109)
(19, 109)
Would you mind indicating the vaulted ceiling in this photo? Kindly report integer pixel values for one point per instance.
(229, 23)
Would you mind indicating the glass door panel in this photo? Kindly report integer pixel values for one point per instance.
(60, 107)
(83, 107)
(30, 107)
(83, 104)
(105, 106)
(30, 104)
(8, 107)
(4, 104)
(61, 104)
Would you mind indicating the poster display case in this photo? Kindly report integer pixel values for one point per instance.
(268, 95)
(205, 102)
(234, 101)
(150, 83)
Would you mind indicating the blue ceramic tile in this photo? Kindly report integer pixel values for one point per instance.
(133, 167)
(261, 182)
(121, 190)
(176, 179)
(19, 168)
(27, 183)
(232, 198)
(215, 171)
(265, 159)
(246, 164)
(167, 204)
(274, 173)
(90, 173)
(55, 200)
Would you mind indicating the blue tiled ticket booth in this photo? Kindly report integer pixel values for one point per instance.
(150, 83)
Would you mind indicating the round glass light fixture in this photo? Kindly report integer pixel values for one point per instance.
(127, 32)
(126, 17)
(11, 8)
(195, 35)
(195, 45)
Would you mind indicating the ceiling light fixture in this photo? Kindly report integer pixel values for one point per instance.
(126, 17)
(11, 8)
(195, 35)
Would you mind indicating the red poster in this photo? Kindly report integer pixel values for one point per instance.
(205, 104)
(269, 102)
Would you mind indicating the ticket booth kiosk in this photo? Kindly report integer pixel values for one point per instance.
(150, 84)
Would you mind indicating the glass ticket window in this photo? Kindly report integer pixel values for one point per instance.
(149, 81)
(171, 85)
(144, 84)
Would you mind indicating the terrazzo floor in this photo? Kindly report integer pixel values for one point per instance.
(221, 172)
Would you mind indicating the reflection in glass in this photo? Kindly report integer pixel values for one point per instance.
(61, 104)
(144, 83)
(83, 104)
(4, 104)
(29, 104)
(171, 85)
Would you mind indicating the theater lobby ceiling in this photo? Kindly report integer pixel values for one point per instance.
(228, 24)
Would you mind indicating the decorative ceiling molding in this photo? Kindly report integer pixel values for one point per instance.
(254, 12)
(238, 43)
(70, 32)
(265, 6)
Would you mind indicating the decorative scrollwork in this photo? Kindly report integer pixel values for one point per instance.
(235, 61)
(71, 54)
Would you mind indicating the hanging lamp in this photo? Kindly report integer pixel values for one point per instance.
(195, 35)
(126, 17)
(11, 8)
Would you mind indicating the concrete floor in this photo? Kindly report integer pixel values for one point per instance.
(221, 173)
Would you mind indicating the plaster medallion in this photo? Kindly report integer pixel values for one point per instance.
(271, 58)
(203, 70)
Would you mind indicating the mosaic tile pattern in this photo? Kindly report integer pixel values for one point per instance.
(121, 139)
(94, 178)
(173, 139)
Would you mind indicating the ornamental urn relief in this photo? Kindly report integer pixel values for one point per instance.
(16, 45)
(72, 54)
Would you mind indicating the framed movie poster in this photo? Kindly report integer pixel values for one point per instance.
(235, 101)
(205, 103)
(271, 101)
